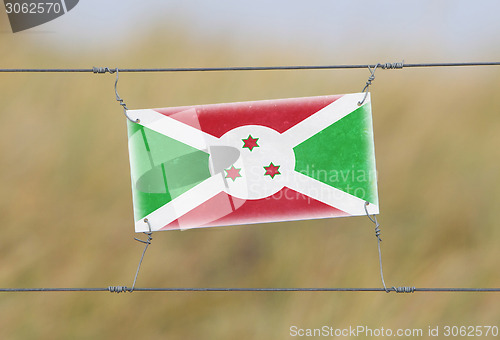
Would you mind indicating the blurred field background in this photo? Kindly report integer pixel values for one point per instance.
(66, 206)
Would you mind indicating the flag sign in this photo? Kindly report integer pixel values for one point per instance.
(252, 162)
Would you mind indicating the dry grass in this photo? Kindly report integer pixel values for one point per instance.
(66, 214)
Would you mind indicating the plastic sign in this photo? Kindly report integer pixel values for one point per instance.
(252, 162)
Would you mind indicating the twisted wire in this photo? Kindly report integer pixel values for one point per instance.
(368, 83)
(404, 289)
(379, 239)
(118, 98)
(102, 70)
(117, 289)
(392, 66)
(147, 243)
(377, 234)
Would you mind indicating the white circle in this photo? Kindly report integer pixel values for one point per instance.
(254, 183)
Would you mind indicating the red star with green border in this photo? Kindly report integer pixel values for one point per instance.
(272, 170)
(233, 173)
(250, 142)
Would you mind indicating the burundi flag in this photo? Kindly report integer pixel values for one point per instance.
(252, 162)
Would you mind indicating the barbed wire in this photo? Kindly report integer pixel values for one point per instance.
(397, 65)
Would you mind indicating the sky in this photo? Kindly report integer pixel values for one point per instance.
(450, 30)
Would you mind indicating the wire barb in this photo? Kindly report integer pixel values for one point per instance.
(392, 66)
(103, 70)
(404, 289)
(118, 289)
